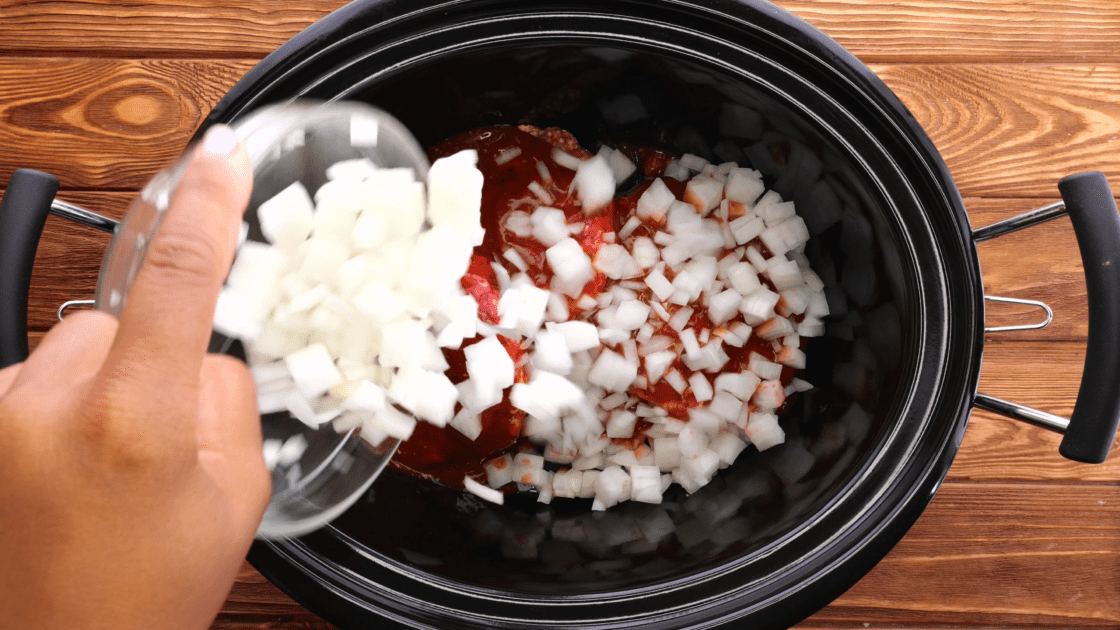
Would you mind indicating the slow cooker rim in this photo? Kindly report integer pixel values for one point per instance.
(512, 40)
(827, 48)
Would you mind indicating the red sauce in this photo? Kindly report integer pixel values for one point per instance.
(444, 454)
(481, 283)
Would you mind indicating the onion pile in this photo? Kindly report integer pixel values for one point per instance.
(346, 311)
(343, 313)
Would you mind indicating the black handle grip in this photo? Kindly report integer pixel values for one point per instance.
(1092, 209)
(22, 215)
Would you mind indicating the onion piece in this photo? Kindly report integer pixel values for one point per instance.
(551, 353)
(467, 423)
(701, 388)
(723, 306)
(621, 166)
(704, 194)
(631, 314)
(455, 195)
(312, 370)
(621, 424)
(615, 262)
(645, 484)
(286, 218)
(612, 371)
(571, 266)
(489, 494)
(505, 155)
(655, 201)
(612, 485)
(499, 471)
(657, 363)
(426, 394)
(594, 183)
(769, 395)
(567, 160)
(522, 307)
(692, 162)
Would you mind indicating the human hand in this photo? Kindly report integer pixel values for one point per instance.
(131, 475)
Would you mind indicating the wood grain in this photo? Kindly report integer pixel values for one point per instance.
(112, 123)
(1040, 548)
(256, 604)
(968, 31)
(1042, 375)
(1039, 31)
(1001, 135)
(104, 123)
(156, 28)
(1048, 556)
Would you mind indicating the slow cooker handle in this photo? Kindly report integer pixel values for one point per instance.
(1088, 200)
(1096, 222)
(23, 212)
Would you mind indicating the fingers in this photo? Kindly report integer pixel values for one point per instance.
(8, 376)
(71, 352)
(46, 388)
(228, 417)
(167, 320)
(229, 438)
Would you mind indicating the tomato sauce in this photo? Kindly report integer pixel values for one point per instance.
(511, 159)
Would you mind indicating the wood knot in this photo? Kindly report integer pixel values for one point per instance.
(138, 110)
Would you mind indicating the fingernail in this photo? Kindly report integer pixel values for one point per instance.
(220, 141)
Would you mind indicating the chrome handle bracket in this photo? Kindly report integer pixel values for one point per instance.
(1040, 419)
(77, 214)
(1037, 326)
(1005, 408)
(73, 304)
(80, 215)
(1016, 223)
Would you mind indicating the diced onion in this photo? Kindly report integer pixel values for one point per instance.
(489, 494)
(358, 292)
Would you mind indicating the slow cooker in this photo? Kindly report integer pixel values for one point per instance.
(904, 342)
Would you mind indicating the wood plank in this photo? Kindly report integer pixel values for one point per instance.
(255, 603)
(105, 123)
(1042, 375)
(112, 123)
(159, 28)
(997, 555)
(1015, 130)
(270, 621)
(1083, 31)
(981, 555)
(968, 31)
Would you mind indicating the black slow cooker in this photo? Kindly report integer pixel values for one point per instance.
(895, 376)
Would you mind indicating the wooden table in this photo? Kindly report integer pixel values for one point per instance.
(1014, 93)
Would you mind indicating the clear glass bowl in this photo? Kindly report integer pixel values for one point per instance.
(286, 143)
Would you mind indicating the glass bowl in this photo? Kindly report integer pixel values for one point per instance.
(295, 141)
